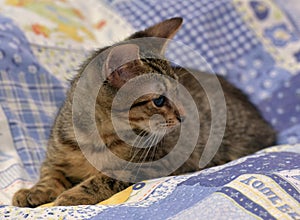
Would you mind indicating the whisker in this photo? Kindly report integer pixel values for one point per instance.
(143, 160)
(155, 148)
(154, 143)
(139, 137)
(137, 149)
(145, 147)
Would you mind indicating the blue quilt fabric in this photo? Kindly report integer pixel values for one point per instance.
(254, 44)
(29, 96)
(192, 198)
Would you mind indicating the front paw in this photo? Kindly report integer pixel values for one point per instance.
(20, 198)
(32, 197)
(71, 198)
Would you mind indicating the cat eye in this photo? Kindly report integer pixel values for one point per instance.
(160, 101)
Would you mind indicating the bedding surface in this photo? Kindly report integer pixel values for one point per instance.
(254, 44)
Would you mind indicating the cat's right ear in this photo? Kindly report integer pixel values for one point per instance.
(118, 65)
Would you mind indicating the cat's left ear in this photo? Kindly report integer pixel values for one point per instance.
(165, 29)
(119, 62)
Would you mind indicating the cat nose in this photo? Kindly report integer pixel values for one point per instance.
(180, 118)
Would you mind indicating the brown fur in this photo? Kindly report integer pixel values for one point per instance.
(68, 178)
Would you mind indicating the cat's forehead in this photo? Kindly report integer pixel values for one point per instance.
(159, 82)
(161, 71)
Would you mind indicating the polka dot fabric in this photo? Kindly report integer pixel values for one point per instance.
(283, 110)
(243, 40)
(212, 28)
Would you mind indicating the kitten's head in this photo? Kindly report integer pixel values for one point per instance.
(140, 84)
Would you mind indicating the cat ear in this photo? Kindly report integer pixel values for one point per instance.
(118, 62)
(165, 29)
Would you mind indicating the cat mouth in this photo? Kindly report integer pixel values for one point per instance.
(170, 128)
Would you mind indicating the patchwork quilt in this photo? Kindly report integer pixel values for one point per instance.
(254, 44)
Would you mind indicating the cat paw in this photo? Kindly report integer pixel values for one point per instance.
(32, 197)
(70, 199)
(20, 198)
(65, 201)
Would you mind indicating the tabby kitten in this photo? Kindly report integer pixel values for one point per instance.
(80, 169)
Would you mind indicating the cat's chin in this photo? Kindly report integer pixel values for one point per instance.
(173, 128)
(166, 130)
